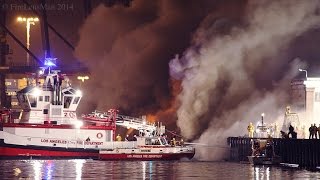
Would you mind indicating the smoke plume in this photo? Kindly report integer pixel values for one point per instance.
(128, 50)
(229, 79)
(236, 61)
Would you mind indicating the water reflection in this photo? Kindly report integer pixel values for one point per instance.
(79, 164)
(91, 169)
(146, 170)
(261, 172)
(49, 166)
(150, 170)
(37, 166)
(143, 170)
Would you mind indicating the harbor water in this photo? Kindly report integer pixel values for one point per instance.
(92, 169)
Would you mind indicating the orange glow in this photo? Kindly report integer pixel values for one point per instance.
(168, 113)
(151, 118)
(129, 131)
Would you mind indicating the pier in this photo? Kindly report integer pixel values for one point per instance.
(304, 152)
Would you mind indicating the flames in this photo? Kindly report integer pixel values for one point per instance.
(151, 118)
(167, 114)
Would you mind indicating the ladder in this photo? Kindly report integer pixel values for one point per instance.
(140, 124)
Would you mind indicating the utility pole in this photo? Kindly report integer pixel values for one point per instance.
(3, 52)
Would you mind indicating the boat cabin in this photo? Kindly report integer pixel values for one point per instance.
(52, 99)
(152, 141)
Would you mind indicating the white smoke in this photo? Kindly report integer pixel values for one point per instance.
(229, 80)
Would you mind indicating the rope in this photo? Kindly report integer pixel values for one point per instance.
(173, 133)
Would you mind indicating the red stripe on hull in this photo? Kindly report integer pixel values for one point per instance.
(149, 157)
(20, 152)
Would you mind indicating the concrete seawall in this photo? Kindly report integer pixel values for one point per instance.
(305, 152)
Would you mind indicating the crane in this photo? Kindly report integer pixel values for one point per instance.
(141, 124)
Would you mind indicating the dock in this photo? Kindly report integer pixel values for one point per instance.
(302, 152)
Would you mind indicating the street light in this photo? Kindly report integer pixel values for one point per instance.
(304, 71)
(29, 21)
(82, 78)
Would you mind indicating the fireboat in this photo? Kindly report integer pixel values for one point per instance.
(47, 127)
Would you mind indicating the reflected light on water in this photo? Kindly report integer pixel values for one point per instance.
(49, 169)
(256, 170)
(79, 164)
(262, 172)
(150, 170)
(268, 173)
(16, 171)
(143, 170)
(37, 166)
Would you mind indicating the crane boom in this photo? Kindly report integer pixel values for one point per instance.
(140, 124)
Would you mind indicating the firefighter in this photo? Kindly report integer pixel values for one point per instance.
(311, 132)
(314, 131)
(118, 138)
(173, 141)
(250, 130)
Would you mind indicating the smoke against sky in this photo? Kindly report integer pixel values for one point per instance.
(228, 80)
(236, 59)
(128, 51)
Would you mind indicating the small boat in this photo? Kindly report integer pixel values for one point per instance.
(263, 153)
(147, 148)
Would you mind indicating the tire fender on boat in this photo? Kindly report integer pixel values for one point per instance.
(99, 135)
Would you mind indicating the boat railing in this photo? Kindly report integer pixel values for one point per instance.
(119, 145)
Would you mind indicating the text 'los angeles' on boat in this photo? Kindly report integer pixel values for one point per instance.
(47, 127)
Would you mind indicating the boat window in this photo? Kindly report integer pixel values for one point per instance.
(156, 142)
(148, 142)
(33, 101)
(40, 98)
(67, 101)
(163, 141)
(45, 111)
(22, 98)
(76, 100)
(152, 142)
(72, 91)
(67, 92)
(47, 98)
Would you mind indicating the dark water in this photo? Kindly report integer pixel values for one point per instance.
(91, 169)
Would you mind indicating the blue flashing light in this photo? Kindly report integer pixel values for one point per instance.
(50, 62)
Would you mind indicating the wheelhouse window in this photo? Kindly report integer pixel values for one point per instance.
(67, 101)
(22, 98)
(41, 98)
(152, 141)
(76, 100)
(33, 101)
(47, 98)
(163, 141)
(148, 141)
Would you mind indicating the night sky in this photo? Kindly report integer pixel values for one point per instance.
(204, 65)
